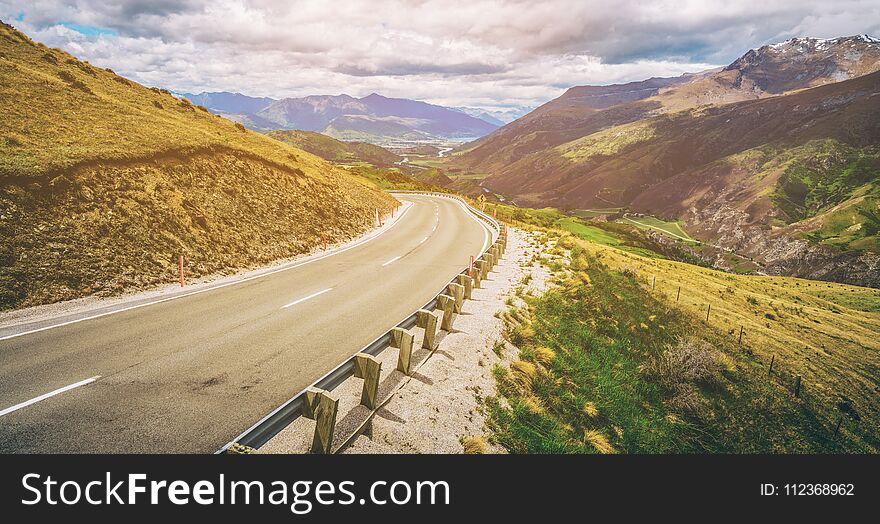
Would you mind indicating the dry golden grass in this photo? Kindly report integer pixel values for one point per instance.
(599, 441)
(474, 445)
(523, 373)
(105, 182)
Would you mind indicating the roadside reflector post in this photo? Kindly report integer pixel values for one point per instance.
(402, 340)
(468, 284)
(471, 267)
(456, 291)
(369, 368)
(321, 407)
(427, 320)
(181, 270)
(447, 305)
(325, 241)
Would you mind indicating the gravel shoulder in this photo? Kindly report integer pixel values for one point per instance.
(439, 406)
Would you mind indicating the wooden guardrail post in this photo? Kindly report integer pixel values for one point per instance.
(369, 368)
(427, 320)
(402, 340)
(447, 305)
(321, 406)
(477, 275)
(468, 284)
(456, 291)
(483, 266)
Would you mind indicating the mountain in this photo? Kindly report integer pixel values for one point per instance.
(795, 64)
(336, 151)
(105, 183)
(481, 114)
(373, 118)
(774, 156)
(231, 103)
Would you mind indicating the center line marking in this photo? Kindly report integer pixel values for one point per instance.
(47, 395)
(303, 299)
(390, 261)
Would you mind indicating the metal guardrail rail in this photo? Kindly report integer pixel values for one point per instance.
(284, 415)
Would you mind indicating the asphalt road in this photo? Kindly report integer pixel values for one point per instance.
(189, 374)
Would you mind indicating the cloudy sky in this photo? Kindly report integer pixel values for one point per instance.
(493, 54)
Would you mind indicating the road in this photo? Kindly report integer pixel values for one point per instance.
(189, 374)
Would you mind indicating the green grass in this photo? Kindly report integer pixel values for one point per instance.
(593, 213)
(600, 236)
(593, 394)
(672, 229)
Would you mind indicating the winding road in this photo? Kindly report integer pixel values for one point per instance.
(188, 373)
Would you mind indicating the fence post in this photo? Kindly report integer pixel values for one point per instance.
(447, 304)
(707, 312)
(456, 291)
(369, 368)
(740, 335)
(679, 294)
(468, 284)
(837, 426)
(797, 386)
(428, 320)
(402, 340)
(770, 370)
(321, 407)
(653, 281)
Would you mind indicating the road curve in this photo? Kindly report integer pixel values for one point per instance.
(189, 374)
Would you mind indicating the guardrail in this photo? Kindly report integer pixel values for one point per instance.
(314, 402)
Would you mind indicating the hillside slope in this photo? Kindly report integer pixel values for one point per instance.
(104, 183)
(334, 150)
(582, 110)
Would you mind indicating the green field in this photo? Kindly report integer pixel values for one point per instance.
(672, 229)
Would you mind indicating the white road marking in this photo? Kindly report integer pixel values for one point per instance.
(47, 395)
(395, 259)
(423, 240)
(212, 288)
(303, 299)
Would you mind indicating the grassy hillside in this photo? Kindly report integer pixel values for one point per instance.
(104, 183)
(609, 363)
(336, 150)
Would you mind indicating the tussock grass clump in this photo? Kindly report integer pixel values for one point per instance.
(599, 442)
(474, 445)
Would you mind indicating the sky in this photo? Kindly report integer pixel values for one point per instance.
(498, 55)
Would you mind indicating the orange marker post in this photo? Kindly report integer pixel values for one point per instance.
(181, 270)
(471, 267)
(325, 241)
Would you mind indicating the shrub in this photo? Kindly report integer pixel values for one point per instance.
(681, 369)
(157, 104)
(240, 127)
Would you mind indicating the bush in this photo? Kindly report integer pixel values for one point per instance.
(240, 126)
(681, 369)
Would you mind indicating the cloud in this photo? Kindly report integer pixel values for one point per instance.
(494, 54)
